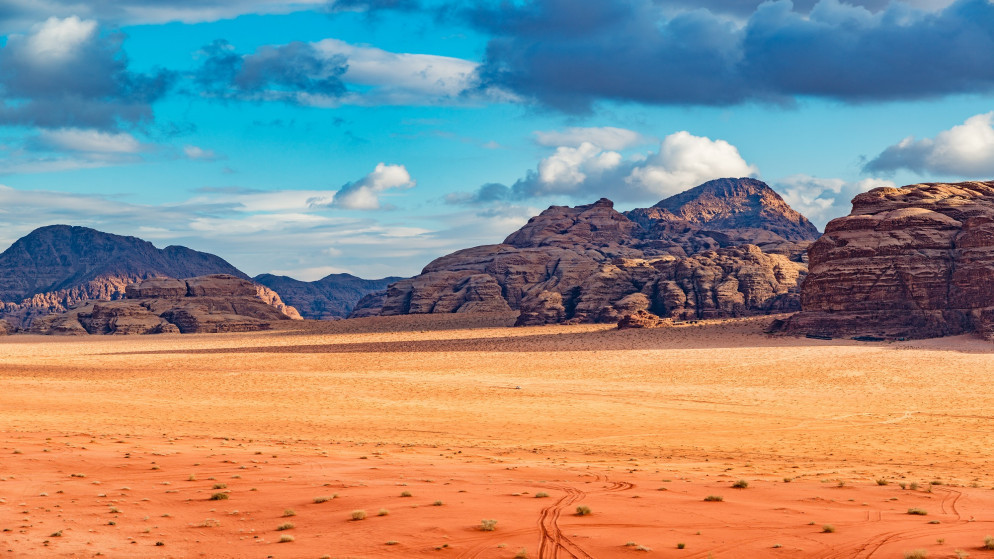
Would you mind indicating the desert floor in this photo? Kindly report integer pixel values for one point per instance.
(207, 445)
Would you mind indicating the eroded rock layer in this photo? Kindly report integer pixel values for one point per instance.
(916, 261)
(696, 257)
(206, 304)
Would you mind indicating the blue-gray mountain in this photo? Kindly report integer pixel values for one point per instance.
(330, 297)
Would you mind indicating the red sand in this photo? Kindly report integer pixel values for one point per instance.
(638, 426)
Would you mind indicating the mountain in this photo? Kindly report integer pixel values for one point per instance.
(58, 266)
(330, 297)
(909, 262)
(730, 247)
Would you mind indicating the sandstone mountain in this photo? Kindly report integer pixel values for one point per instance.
(331, 297)
(695, 255)
(205, 304)
(56, 267)
(916, 261)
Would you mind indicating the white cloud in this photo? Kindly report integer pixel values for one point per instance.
(364, 194)
(90, 141)
(684, 161)
(607, 137)
(823, 199)
(200, 154)
(56, 40)
(965, 150)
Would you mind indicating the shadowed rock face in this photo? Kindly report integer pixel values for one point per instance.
(56, 267)
(331, 297)
(916, 261)
(695, 257)
(206, 304)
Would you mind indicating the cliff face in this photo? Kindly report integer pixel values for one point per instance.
(695, 257)
(328, 298)
(205, 304)
(56, 267)
(916, 261)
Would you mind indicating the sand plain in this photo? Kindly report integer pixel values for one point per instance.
(117, 447)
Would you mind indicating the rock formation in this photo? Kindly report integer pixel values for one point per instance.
(910, 262)
(205, 304)
(696, 255)
(57, 267)
(328, 298)
(6, 328)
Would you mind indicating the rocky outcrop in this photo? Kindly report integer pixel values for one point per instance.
(329, 298)
(910, 262)
(6, 328)
(58, 267)
(641, 319)
(695, 257)
(206, 304)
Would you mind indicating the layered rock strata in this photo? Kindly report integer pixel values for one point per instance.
(910, 262)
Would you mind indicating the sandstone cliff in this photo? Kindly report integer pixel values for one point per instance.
(916, 261)
(205, 304)
(57, 267)
(692, 256)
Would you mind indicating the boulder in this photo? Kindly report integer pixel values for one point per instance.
(641, 319)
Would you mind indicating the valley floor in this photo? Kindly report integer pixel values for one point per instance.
(430, 425)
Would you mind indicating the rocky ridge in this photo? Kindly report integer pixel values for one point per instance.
(205, 304)
(909, 262)
(696, 255)
(57, 267)
(329, 298)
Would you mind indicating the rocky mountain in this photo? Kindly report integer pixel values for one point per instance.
(205, 304)
(331, 297)
(55, 267)
(915, 261)
(730, 247)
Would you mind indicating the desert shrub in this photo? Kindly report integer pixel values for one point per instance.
(583, 510)
(285, 526)
(406, 494)
(219, 497)
(488, 525)
(828, 529)
(882, 481)
(286, 538)
(714, 498)
(740, 484)
(541, 495)
(438, 503)
(319, 500)
(383, 512)
(916, 554)
(358, 515)
(681, 545)
(220, 486)
(917, 511)
(289, 512)
(989, 542)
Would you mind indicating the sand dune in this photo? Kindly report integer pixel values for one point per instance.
(640, 426)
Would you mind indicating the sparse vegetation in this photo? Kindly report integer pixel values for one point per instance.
(740, 484)
(583, 510)
(406, 494)
(681, 545)
(393, 542)
(286, 538)
(989, 542)
(220, 486)
(437, 503)
(521, 554)
(828, 529)
(882, 481)
(541, 495)
(714, 498)
(285, 526)
(319, 500)
(917, 511)
(916, 554)
(358, 515)
(488, 525)
(383, 512)
(289, 512)
(219, 497)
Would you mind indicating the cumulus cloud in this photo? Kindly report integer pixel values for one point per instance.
(591, 171)
(965, 150)
(320, 73)
(364, 194)
(66, 74)
(569, 54)
(91, 141)
(607, 137)
(200, 154)
(823, 199)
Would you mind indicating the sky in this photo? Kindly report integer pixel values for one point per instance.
(309, 137)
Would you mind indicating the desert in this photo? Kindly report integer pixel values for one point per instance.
(427, 426)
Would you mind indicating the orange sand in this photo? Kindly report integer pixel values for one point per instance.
(640, 426)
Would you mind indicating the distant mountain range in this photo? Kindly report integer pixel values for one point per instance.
(57, 267)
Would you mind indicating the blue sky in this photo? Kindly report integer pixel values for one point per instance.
(372, 136)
